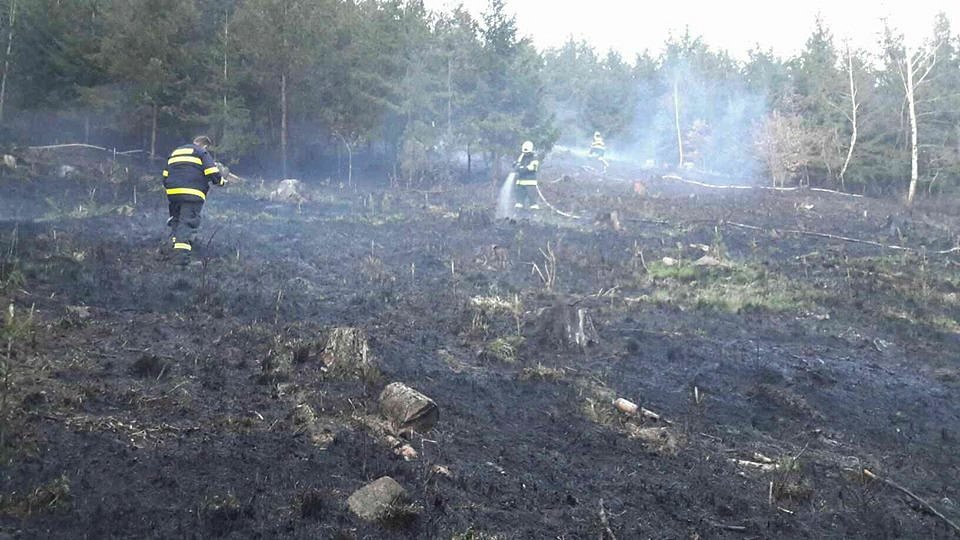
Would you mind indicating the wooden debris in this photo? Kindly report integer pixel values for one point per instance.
(606, 522)
(760, 458)
(288, 190)
(662, 440)
(346, 350)
(441, 470)
(765, 467)
(647, 413)
(565, 326)
(927, 506)
(379, 500)
(402, 448)
(407, 409)
(625, 406)
(610, 220)
(707, 260)
(474, 218)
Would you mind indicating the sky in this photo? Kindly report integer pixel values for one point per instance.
(630, 27)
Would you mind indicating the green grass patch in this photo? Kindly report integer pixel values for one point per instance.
(731, 288)
(502, 349)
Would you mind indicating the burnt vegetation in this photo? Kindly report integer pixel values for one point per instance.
(367, 351)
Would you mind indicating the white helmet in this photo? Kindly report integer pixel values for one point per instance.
(596, 134)
(526, 147)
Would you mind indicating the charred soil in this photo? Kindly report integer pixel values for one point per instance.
(777, 344)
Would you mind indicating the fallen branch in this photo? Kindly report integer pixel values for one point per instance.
(605, 522)
(628, 407)
(766, 467)
(907, 492)
(717, 524)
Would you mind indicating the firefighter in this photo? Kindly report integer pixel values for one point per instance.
(190, 171)
(597, 149)
(526, 169)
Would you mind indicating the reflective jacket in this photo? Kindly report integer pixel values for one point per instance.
(526, 167)
(190, 171)
(597, 143)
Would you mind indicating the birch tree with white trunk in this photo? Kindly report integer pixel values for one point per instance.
(913, 65)
(851, 116)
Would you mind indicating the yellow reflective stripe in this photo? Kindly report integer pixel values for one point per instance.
(526, 182)
(210, 170)
(182, 152)
(183, 245)
(166, 173)
(184, 159)
(186, 191)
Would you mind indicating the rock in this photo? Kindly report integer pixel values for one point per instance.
(379, 500)
(407, 409)
(289, 190)
(9, 161)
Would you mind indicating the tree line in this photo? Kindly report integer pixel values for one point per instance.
(307, 86)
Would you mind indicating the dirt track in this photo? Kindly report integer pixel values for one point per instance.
(144, 402)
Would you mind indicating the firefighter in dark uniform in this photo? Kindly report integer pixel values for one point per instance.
(526, 168)
(190, 171)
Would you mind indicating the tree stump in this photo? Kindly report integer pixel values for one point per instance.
(564, 326)
(610, 220)
(474, 218)
(346, 351)
(288, 190)
(407, 409)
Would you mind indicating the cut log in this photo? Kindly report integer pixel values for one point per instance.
(407, 409)
(379, 500)
(625, 406)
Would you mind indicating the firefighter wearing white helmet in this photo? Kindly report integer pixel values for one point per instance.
(526, 168)
(597, 149)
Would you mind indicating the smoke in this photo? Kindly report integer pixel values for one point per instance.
(717, 117)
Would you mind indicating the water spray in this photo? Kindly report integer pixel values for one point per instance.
(505, 200)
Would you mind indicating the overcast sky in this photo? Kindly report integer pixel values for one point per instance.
(735, 25)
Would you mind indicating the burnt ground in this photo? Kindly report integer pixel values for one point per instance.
(142, 401)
